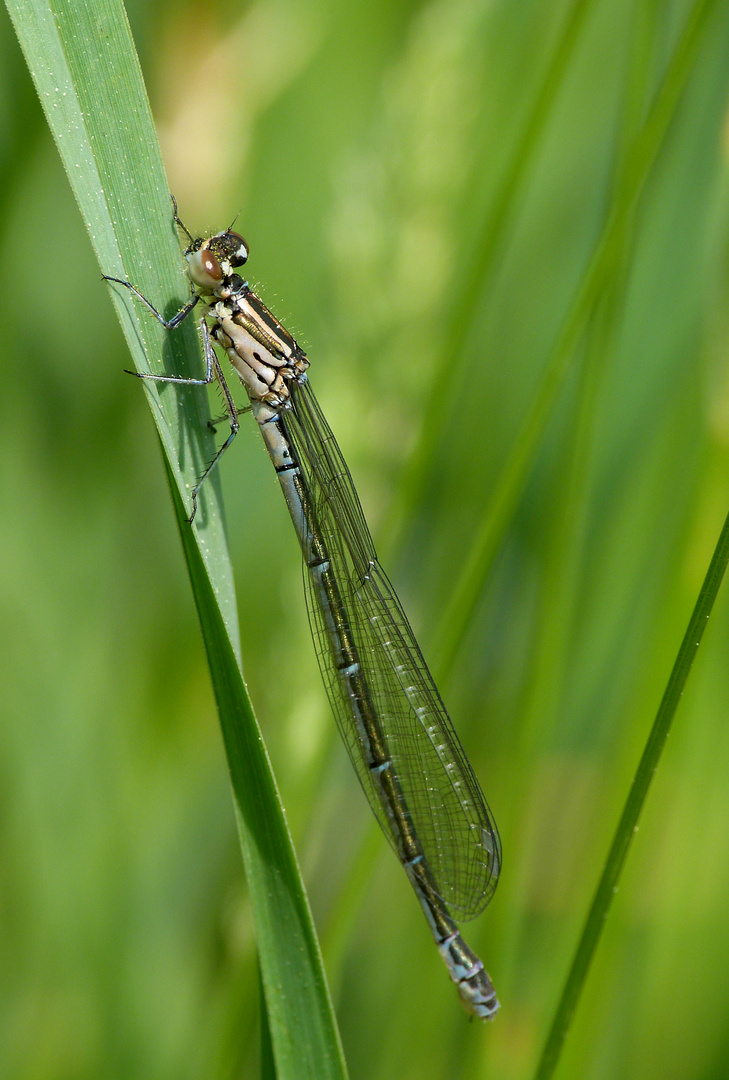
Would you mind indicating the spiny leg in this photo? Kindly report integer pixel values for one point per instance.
(169, 324)
(213, 365)
(213, 372)
(179, 224)
(214, 422)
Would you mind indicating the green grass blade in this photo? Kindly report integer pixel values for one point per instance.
(633, 805)
(598, 277)
(480, 262)
(300, 1017)
(86, 71)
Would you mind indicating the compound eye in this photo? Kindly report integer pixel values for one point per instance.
(239, 253)
(204, 270)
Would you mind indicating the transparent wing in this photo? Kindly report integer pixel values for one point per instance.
(456, 831)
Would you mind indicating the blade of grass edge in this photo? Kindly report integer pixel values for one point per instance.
(84, 65)
(297, 998)
(637, 794)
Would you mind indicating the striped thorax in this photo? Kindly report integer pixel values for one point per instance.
(260, 349)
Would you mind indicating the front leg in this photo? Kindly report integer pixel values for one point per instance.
(169, 324)
(172, 324)
(213, 372)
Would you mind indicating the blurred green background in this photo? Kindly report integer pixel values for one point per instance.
(424, 187)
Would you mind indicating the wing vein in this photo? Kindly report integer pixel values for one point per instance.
(454, 826)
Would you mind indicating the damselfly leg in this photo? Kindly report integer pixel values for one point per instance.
(213, 371)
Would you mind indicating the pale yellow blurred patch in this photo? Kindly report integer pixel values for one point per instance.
(215, 82)
(394, 200)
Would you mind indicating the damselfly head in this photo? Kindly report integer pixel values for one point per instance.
(212, 260)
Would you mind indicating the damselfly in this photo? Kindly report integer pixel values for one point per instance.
(399, 736)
